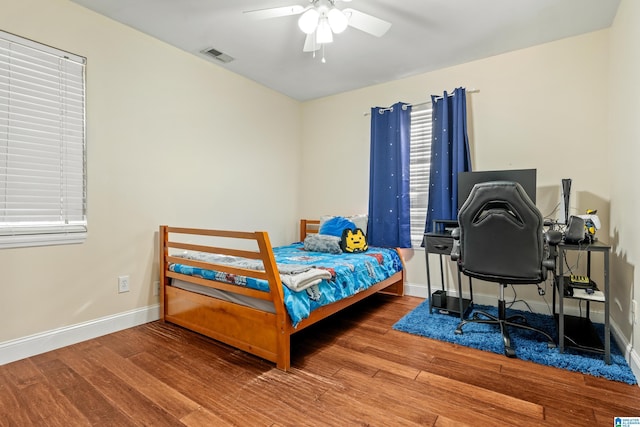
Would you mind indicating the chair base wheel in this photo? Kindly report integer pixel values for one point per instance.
(509, 352)
(458, 331)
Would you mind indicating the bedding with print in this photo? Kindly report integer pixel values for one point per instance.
(344, 274)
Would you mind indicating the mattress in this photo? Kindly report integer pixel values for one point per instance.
(244, 300)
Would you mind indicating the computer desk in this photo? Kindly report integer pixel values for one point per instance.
(440, 242)
(576, 331)
(573, 331)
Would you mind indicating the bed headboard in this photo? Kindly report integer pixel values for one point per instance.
(308, 226)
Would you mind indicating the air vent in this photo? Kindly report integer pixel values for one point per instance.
(222, 57)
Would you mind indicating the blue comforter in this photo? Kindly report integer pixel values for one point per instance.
(350, 274)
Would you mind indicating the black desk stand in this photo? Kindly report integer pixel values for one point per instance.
(440, 242)
(578, 332)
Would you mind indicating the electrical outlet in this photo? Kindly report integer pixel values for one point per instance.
(123, 284)
(156, 288)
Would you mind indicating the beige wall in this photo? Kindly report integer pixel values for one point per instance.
(624, 144)
(542, 107)
(172, 139)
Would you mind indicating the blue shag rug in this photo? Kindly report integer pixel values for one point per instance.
(528, 345)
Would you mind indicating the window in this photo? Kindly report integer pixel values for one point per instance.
(420, 160)
(42, 144)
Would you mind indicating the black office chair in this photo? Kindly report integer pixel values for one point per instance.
(501, 239)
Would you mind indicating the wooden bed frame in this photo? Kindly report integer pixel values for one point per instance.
(261, 333)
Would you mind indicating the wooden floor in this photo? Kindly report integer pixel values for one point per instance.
(352, 369)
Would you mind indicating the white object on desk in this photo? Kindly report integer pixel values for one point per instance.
(582, 294)
(593, 218)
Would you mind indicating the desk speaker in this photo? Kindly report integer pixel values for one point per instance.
(575, 230)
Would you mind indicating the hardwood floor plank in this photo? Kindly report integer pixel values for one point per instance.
(356, 411)
(212, 392)
(443, 421)
(24, 373)
(44, 402)
(129, 400)
(409, 395)
(482, 397)
(377, 393)
(165, 397)
(88, 401)
(456, 405)
(14, 410)
(202, 417)
(366, 362)
(297, 396)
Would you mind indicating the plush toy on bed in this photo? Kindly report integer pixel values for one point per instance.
(353, 241)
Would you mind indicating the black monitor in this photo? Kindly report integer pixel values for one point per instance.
(525, 177)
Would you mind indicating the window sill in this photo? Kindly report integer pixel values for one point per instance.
(33, 240)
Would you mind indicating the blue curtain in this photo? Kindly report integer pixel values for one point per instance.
(389, 203)
(449, 155)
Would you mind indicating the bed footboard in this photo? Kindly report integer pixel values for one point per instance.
(262, 333)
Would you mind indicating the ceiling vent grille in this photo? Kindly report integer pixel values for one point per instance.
(216, 54)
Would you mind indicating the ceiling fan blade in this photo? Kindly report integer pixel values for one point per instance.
(310, 44)
(275, 12)
(367, 23)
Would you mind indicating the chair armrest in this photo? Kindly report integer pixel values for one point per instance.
(553, 237)
(455, 250)
(455, 233)
(549, 264)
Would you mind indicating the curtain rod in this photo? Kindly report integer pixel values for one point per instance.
(418, 104)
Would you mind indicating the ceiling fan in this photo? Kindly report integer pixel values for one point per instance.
(322, 19)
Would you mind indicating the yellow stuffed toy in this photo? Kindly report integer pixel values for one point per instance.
(353, 241)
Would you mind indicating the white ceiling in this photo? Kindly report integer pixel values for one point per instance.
(425, 35)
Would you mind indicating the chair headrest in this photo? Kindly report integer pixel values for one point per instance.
(504, 197)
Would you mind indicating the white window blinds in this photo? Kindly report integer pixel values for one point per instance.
(420, 161)
(42, 144)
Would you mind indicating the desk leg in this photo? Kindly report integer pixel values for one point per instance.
(607, 335)
(460, 303)
(553, 301)
(561, 300)
(426, 257)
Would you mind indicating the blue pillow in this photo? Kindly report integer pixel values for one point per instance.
(335, 226)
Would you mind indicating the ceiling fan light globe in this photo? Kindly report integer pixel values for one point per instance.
(323, 33)
(308, 21)
(337, 20)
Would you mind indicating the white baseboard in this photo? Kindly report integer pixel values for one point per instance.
(21, 348)
(415, 290)
(634, 362)
(630, 354)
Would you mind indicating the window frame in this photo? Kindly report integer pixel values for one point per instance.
(43, 150)
(420, 166)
